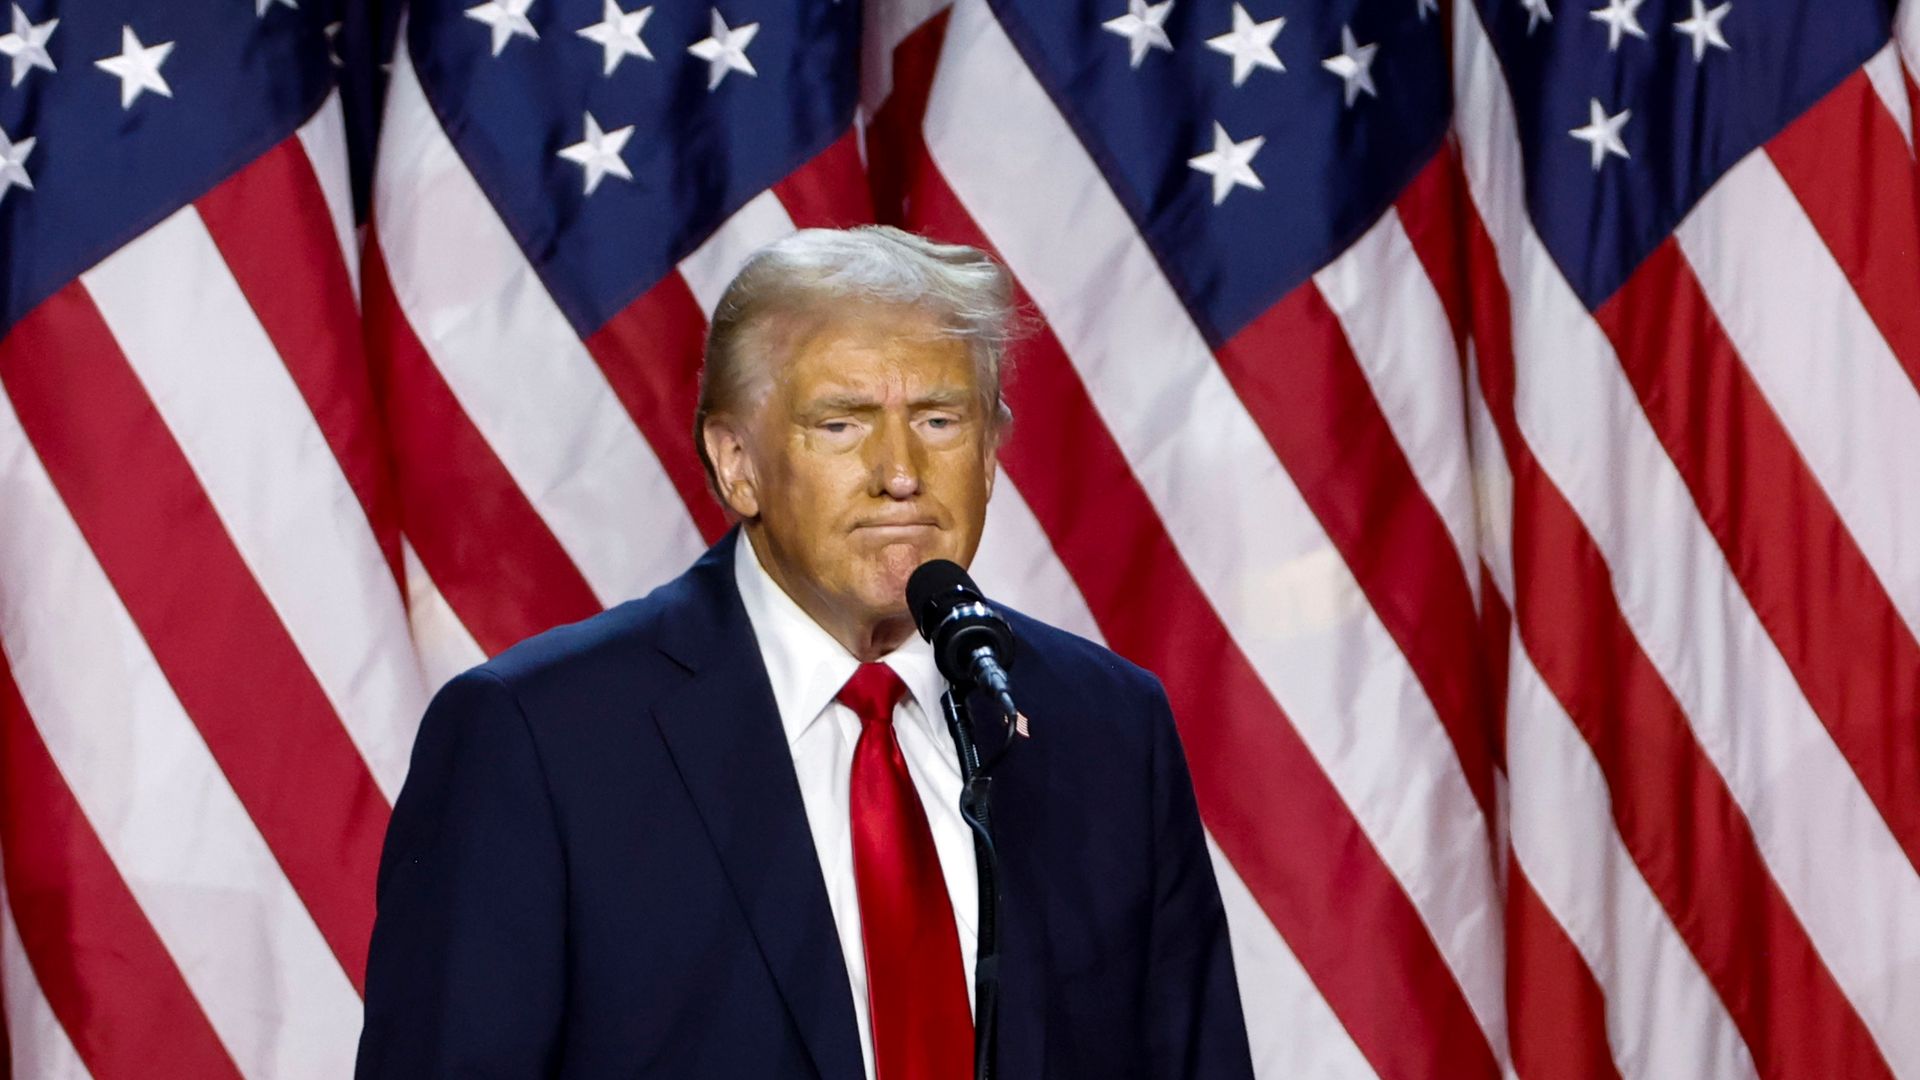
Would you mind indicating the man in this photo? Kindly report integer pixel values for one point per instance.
(714, 833)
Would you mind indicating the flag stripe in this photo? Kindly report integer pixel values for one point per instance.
(1557, 1010)
(199, 353)
(709, 268)
(1430, 207)
(1687, 835)
(1783, 298)
(1392, 317)
(1288, 600)
(650, 354)
(1845, 144)
(1392, 989)
(87, 416)
(1319, 417)
(323, 141)
(830, 190)
(309, 308)
(1662, 1016)
(1841, 867)
(117, 993)
(192, 854)
(32, 1041)
(518, 369)
(1291, 1030)
(445, 647)
(475, 532)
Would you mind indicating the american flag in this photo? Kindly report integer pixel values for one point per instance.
(1498, 423)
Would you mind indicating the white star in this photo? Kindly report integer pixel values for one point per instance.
(1422, 7)
(137, 67)
(599, 153)
(725, 50)
(13, 164)
(1537, 13)
(332, 30)
(1602, 132)
(1144, 27)
(1229, 163)
(618, 34)
(1704, 28)
(508, 19)
(27, 44)
(260, 6)
(1354, 63)
(1250, 44)
(1621, 17)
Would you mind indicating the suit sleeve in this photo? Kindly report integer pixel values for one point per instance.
(466, 974)
(1195, 1027)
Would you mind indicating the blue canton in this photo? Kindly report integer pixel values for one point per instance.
(1329, 168)
(696, 154)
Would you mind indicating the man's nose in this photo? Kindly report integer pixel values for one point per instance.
(896, 458)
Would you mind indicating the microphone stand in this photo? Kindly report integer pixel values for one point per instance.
(976, 809)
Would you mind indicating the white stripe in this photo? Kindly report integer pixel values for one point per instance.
(1393, 319)
(1492, 483)
(711, 267)
(324, 138)
(194, 342)
(1016, 565)
(141, 773)
(515, 364)
(1664, 1019)
(1889, 83)
(1906, 31)
(1826, 845)
(1278, 584)
(1817, 357)
(39, 1046)
(1290, 1030)
(446, 648)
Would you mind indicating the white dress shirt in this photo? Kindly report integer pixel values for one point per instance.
(807, 668)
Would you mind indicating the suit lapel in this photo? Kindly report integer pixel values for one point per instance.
(724, 733)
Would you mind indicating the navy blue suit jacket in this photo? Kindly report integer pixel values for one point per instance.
(600, 866)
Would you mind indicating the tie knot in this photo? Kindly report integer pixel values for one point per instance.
(872, 693)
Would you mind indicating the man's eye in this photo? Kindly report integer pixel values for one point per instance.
(837, 427)
(939, 422)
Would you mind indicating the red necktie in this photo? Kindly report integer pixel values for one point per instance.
(916, 985)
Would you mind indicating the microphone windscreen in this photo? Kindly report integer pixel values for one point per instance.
(932, 589)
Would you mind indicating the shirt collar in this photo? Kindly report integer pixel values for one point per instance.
(804, 663)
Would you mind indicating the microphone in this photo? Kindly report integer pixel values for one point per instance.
(971, 642)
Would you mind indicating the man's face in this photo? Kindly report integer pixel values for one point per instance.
(869, 455)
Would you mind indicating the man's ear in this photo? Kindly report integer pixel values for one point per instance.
(732, 466)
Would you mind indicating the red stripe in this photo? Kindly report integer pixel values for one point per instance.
(272, 226)
(1557, 1012)
(1808, 582)
(103, 970)
(1296, 373)
(650, 353)
(1683, 828)
(1263, 795)
(1852, 172)
(482, 542)
(1496, 630)
(1430, 208)
(893, 137)
(830, 190)
(213, 632)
